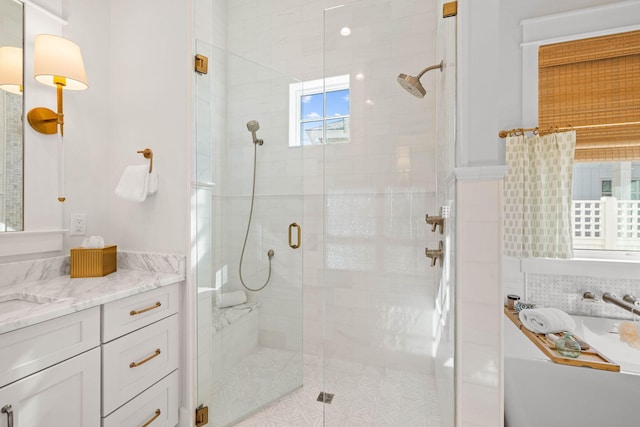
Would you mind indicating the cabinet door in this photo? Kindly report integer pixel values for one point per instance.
(64, 395)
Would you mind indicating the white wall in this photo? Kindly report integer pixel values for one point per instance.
(138, 96)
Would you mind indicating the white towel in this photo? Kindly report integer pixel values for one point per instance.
(546, 320)
(136, 183)
(229, 299)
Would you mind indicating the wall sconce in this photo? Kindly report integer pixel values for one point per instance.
(11, 69)
(58, 63)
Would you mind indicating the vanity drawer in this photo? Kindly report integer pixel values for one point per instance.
(135, 361)
(128, 314)
(30, 349)
(161, 399)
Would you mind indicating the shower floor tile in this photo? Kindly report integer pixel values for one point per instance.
(364, 396)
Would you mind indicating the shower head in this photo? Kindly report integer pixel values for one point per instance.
(253, 126)
(412, 84)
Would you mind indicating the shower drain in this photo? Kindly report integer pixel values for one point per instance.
(325, 397)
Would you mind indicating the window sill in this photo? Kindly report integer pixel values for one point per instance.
(585, 264)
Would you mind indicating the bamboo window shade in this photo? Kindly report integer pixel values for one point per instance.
(594, 81)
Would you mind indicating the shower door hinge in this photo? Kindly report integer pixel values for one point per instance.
(202, 64)
(450, 9)
(202, 416)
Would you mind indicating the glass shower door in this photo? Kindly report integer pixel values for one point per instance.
(247, 207)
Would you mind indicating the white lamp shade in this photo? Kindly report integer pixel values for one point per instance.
(11, 69)
(58, 57)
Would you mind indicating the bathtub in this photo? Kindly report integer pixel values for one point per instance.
(540, 393)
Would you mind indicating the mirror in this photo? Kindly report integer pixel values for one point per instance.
(11, 114)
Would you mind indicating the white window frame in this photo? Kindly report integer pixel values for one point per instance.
(311, 87)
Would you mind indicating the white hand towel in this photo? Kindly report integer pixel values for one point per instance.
(134, 183)
(229, 299)
(546, 320)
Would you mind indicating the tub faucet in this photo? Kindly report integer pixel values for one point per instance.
(613, 299)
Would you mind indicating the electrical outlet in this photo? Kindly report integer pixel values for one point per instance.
(78, 224)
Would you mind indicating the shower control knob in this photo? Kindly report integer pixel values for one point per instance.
(435, 221)
(435, 254)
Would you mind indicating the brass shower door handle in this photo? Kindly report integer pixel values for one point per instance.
(291, 227)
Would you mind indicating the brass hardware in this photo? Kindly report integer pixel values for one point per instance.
(152, 418)
(435, 221)
(291, 226)
(6, 409)
(450, 9)
(43, 120)
(202, 415)
(202, 64)
(144, 310)
(435, 254)
(148, 154)
(145, 360)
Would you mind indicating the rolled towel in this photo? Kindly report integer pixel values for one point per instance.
(546, 320)
(229, 299)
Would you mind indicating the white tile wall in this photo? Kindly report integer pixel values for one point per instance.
(479, 308)
(373, 237)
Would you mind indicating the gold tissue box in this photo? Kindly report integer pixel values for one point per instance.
(94, 262)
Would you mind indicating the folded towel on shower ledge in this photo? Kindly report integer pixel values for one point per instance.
(229, 299)
(546, 320)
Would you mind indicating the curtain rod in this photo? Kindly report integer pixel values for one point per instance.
(518, 131)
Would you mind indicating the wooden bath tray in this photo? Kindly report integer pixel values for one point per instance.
(590, 358)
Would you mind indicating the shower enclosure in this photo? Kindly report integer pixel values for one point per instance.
(348, 156)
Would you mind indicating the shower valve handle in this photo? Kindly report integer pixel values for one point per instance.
(435, 221)
(435, 254)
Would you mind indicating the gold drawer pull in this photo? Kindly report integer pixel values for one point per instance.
(152, 419)
(143, 361)
(144, 310)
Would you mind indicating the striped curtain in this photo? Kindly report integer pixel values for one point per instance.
(537, 195)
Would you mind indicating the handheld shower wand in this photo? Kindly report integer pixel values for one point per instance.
(253, 127)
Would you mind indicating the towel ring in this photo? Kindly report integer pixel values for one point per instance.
(148, 154)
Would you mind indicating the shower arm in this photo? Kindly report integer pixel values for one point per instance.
(433, 67)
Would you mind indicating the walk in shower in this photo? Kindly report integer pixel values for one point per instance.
(349, 159)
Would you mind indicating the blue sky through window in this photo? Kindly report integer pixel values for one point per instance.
(337, 105)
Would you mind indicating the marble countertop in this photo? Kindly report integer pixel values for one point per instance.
(57, 296)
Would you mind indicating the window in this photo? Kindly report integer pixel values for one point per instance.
(319, 112)
(594, 81)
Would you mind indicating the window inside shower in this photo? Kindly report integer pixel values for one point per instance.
(319, 111)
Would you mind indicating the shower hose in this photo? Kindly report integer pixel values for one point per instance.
(246, 236)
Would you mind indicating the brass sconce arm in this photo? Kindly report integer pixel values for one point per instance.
(46, 121)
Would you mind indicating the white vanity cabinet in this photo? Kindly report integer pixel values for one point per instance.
(140, 356)
(50, 373)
